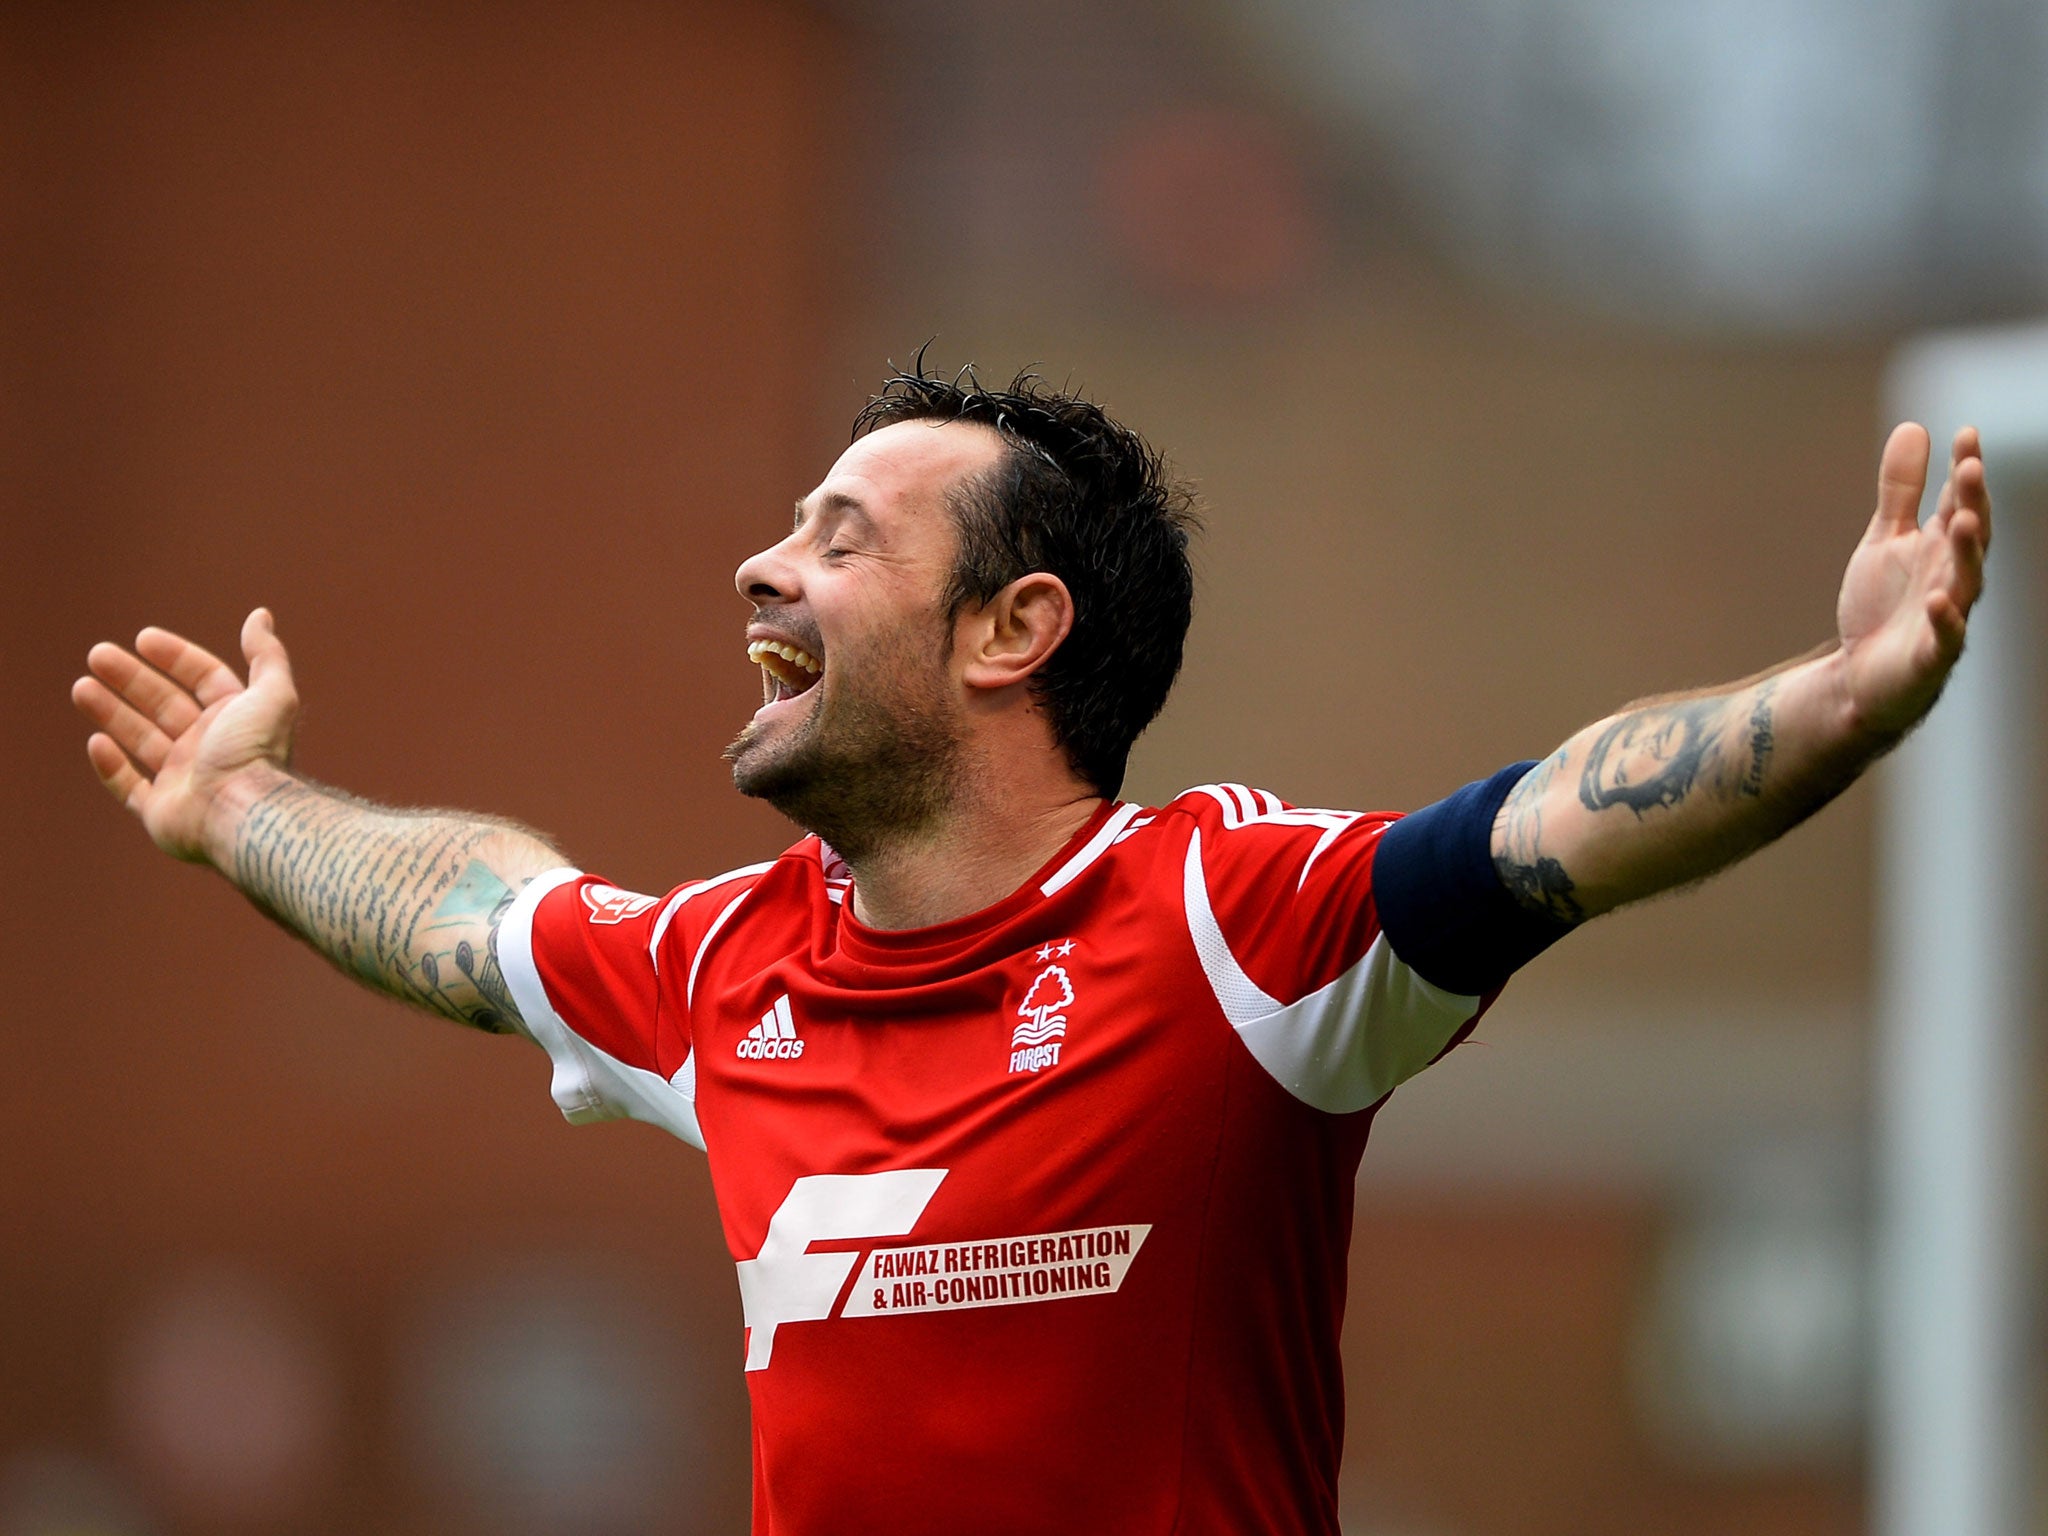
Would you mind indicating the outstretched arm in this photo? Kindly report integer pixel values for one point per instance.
(1671, 789)
(408, 902)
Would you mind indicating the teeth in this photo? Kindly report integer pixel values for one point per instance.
(758, 650)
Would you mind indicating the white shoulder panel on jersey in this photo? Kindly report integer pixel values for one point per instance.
(589, 1084)
(704, 946)
(1094, 849)
(1345, 1045)
(667, 914)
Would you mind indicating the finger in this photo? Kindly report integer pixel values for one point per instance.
(170, 706)
(194, 668)
(134, 732)
(1966, 556)
(1901, 477)
(268, 661)
(1949, 626)
(1945, 503)
(1972, 492)
(121, 777)
(1965, 446)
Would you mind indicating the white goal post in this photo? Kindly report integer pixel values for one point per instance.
(1953, 1434)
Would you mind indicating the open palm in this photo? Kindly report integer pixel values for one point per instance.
(1907, 593)
(177, 726)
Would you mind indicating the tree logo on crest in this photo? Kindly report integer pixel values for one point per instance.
(1035, 1043)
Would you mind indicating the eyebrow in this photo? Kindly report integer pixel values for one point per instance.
(848, 507)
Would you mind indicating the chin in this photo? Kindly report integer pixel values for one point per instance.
(758, 769)
(869, 775)
(786, 769)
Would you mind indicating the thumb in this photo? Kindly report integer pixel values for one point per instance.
(264, 652)
(1901, 478)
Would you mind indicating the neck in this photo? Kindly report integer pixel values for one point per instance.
(971, 856)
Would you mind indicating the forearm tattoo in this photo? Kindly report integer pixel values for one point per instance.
(1761, 741)
(1536, 879)
(1654, 758)
(398, 899)
(1650, 759)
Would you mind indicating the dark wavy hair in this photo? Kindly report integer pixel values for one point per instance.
(1087, 499)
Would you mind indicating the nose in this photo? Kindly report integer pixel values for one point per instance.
(766, 577)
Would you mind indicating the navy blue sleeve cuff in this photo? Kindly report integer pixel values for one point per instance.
(1441, 903)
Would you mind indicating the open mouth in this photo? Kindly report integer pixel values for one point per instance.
(786, 670)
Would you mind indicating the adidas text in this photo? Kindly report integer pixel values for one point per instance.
(774, 1038)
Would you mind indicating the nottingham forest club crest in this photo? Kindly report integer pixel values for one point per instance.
(1042, 1022)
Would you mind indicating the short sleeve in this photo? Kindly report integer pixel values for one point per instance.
(1350, 949)
(580, 959)
(1290, 887)
(1441, 900)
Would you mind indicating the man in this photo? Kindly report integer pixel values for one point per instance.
(1032, 1115)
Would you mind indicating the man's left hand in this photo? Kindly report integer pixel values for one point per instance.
(1907, 594)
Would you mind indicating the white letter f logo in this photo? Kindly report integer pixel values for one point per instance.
(785, 1282)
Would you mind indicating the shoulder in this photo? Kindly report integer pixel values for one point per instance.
(1232, 806)
(569, 899)
(1233, 824)
(804, 874)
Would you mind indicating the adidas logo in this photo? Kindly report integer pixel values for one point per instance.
(774, 1038)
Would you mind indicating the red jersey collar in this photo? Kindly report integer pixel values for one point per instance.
(898, 946)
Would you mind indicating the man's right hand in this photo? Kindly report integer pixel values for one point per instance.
(181, 739)
(406, 901)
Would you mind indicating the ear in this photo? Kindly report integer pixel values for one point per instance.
(1008, 638)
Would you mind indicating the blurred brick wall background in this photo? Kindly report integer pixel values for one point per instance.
(473, 340)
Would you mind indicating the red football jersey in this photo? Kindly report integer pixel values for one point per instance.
(1040, 1215)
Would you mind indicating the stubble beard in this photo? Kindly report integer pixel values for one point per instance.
(860, 773)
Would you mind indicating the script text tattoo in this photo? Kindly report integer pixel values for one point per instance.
(396, 898)
(1761, 739)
